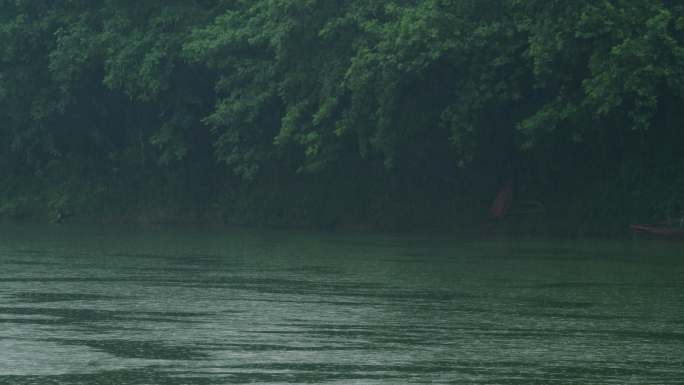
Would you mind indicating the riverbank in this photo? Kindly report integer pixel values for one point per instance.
(533, 225)
(603, 208)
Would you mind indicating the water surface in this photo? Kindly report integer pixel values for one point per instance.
(145, 305)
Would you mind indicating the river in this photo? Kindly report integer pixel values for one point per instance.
(170, 305)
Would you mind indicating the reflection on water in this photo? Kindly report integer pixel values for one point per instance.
(110, 305)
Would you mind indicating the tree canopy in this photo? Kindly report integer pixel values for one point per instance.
(443, 97)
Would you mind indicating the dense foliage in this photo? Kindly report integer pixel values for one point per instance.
(330, 112)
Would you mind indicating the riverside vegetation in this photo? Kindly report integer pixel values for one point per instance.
(328, 113)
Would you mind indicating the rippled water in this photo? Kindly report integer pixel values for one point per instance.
(121, 305)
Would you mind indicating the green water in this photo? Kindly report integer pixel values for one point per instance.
(136, 305)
